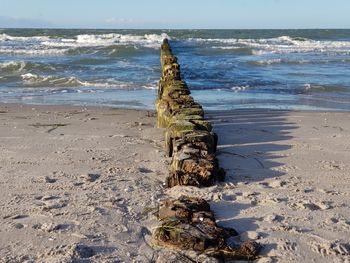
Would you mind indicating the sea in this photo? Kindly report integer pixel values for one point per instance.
(225, 69)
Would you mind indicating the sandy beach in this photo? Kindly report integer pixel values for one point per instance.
(287, 182)
(72, 176)
(82, 184)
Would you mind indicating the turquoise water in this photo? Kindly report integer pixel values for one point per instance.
(225, 69)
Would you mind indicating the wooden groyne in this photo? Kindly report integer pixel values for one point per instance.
(189, 139)
(187, 223)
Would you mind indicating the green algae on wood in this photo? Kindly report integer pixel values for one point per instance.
(188, 223)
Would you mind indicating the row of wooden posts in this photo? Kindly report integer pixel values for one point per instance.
(189, 139)
(187, 223)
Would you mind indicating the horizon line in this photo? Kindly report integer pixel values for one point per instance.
(101, 28)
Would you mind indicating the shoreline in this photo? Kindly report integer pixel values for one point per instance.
(153, 110)
(96, 181)
(68, 106)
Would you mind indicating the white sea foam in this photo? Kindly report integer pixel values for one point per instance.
(15, 67)
(280, 45)
(239, 88)
(5, 37)
(12, 66)
(285, 61)
(150, 40)
(319, 88)
(36, 52)
(151, 87)
(44, 45)
(268, 62)
(30, 79)
(228, 47)
(34, 80)
(297, 61)
(29, 76)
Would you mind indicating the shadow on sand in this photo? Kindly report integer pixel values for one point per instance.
(251, 142)
(251, 145)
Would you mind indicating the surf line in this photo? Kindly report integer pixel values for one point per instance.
(187, 223)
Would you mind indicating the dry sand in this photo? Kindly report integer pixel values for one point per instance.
(288, 182)
(87, 187)
(83, 190)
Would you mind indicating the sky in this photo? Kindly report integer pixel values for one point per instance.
(176, 14)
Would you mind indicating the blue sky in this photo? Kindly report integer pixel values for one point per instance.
(241, 14)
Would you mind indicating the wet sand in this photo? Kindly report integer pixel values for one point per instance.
(82, 183)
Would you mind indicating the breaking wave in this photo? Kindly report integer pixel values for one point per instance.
(11, 67)
(297, 61)
(34, 80)
(35, 51)
(279, 45)
(148, 40)
(248, 66)
(307, 87)
(45, 45)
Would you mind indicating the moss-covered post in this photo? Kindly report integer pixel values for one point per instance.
(186, 127)
(187, 222)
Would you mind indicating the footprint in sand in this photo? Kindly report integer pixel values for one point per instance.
(291, 229)
(90, 177)
(46, 197)
(48, 180)
(15, 217)
(271, 199)
(337, 222)
(54, 205)
(68, 252)
(330, 248)
(52, 227)
(313, 206)
(253, 197)
(330, 192)
(273, 218)
(274, 184)
(50, 202)
(17, 225)
(113, 170)
(333, 165)
(288, 246)
(144, 170)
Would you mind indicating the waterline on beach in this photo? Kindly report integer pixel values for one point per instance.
(225, 69)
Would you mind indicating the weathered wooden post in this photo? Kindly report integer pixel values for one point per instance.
(188, 223)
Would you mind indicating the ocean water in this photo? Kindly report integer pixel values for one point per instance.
(225, 69)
